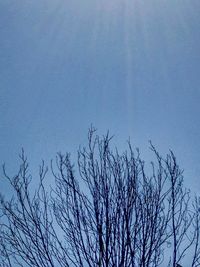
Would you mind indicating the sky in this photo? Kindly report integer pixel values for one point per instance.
(128, 66)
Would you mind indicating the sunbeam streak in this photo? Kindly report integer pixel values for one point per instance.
(130, 66)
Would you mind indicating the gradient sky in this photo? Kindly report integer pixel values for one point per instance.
(130, 66)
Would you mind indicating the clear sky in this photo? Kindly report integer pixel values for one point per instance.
(130, 66)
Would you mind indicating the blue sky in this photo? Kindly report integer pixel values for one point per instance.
(129, 66)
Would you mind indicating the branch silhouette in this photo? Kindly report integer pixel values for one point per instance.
(109, 211)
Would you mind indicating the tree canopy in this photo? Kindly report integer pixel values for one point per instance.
(108, 210)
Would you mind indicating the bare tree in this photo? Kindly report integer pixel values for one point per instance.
(109, 211)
